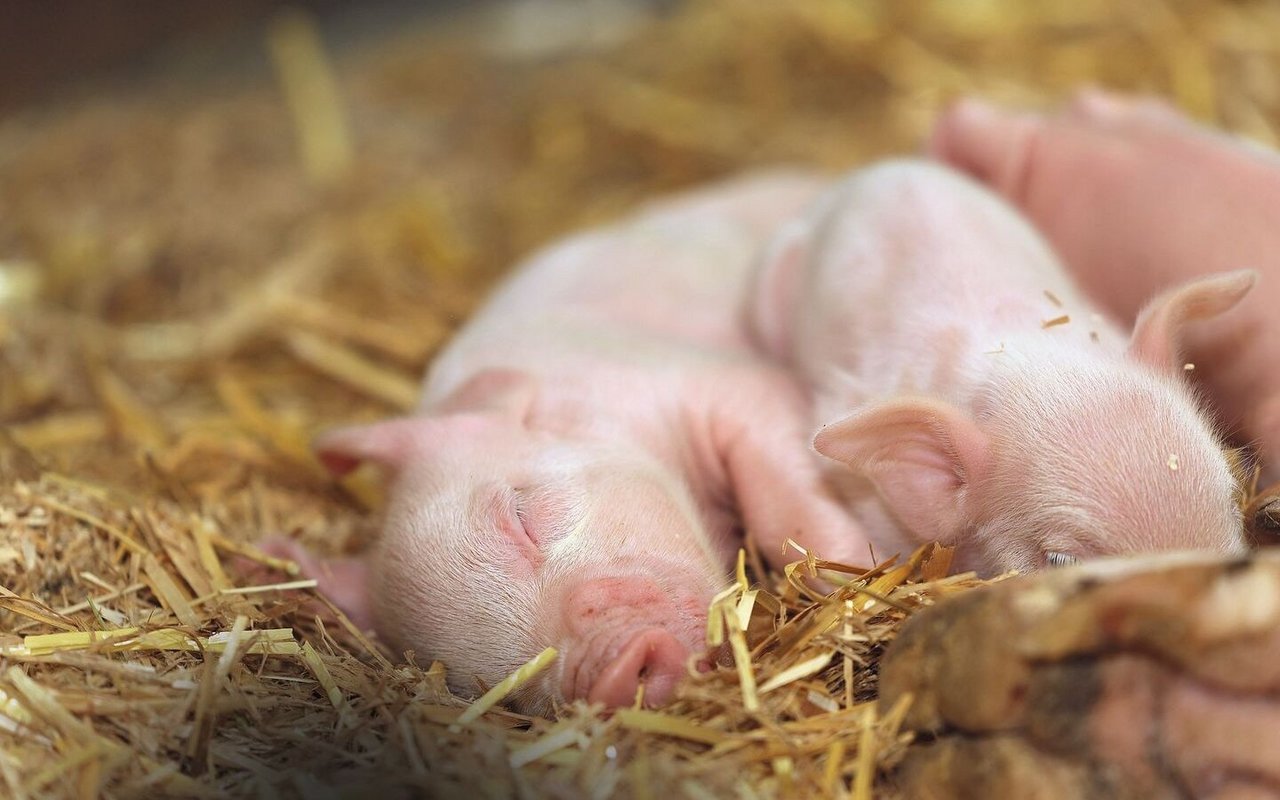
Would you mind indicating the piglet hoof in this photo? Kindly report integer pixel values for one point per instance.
(1151, 677)
(282, 566)
(1098, 106)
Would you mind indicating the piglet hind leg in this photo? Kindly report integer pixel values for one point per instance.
(1134, 195)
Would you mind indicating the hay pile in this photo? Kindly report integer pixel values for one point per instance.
(195, 279)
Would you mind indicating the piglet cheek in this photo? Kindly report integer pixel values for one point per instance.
(971, 555)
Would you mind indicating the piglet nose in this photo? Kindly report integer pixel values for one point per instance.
(654, 657)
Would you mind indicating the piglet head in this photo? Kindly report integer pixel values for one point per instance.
(1074, 463)
(1068, 454)
(501, 539)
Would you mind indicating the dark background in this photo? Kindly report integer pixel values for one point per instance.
(51, 49)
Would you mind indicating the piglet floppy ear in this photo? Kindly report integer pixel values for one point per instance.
(387, 444)
(1157, 334)
(489, 396)
(922, 455)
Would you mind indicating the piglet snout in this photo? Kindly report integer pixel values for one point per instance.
(652, 656)
(626, 631)
(594, 601)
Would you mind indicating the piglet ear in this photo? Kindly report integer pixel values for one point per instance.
(489, 396)
(1157, 335)
(923, 457)
(775, 298)
(387, 444)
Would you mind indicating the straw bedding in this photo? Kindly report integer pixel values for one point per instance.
(198, 275)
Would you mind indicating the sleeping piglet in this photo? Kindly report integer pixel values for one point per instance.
(992, 408)
(587, 452)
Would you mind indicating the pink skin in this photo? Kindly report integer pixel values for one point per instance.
(589, 450)
(916, 299)
(606, 673)
(1137, 198)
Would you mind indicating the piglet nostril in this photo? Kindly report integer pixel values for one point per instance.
(653, 657)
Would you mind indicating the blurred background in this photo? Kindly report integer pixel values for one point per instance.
(46, 47)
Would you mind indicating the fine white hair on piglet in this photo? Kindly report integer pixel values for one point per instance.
(576, 509)
(1061, 441)
(1051, 430)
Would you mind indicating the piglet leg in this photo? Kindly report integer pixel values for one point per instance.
(777, 480)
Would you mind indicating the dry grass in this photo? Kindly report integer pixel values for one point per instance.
(195, 280)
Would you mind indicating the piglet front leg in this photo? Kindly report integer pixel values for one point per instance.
(761, 437)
